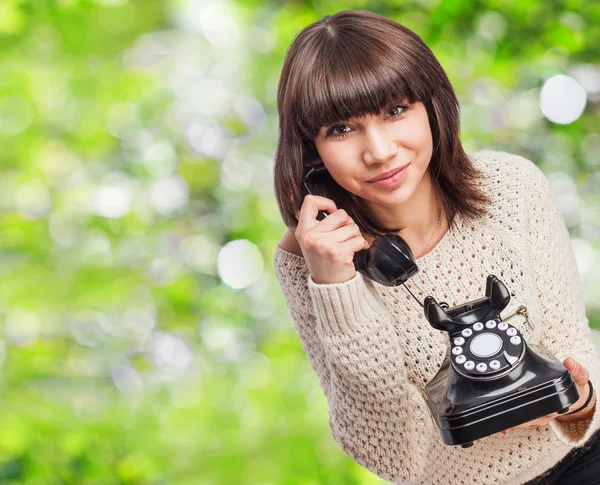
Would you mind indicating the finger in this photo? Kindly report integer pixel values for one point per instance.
(343, 243)
(348, 232)
(366, 244)
(335, 220)
(579, 373)
(357, 243)
(344, 233)
(311, 206)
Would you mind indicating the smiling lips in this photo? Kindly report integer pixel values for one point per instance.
(391, 177)
(387, 174)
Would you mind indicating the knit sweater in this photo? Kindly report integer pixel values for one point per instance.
(373, 350)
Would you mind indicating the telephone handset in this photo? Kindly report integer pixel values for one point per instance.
(490, 379)
(388, 261)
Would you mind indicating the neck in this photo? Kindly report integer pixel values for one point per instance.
(417, 217)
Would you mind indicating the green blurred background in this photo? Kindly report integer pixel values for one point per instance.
(144, 339)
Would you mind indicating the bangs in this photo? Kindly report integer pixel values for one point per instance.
(355, 79)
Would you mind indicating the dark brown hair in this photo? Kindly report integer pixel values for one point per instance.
(357, 63)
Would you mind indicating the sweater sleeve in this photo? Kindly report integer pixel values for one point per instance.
(378, 417)
(565, 329)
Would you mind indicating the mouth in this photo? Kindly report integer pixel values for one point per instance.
(388, 175)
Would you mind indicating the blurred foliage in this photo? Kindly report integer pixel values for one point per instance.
(136, 140)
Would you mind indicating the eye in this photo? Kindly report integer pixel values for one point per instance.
(398, 110)
(331, 132)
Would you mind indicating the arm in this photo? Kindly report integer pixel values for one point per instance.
(292, 273)
(566, 329)
(377, 416)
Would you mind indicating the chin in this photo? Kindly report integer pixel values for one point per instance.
(393, 198)
(397, 201)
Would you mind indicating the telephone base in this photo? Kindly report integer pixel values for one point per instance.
(491, 380)
(487, 411)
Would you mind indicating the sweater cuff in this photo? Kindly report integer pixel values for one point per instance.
(347, 309)
(577, 433)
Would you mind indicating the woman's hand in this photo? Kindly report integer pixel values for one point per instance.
(580, 375)
(329, 245)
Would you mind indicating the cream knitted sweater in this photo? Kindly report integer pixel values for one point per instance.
(374, 351)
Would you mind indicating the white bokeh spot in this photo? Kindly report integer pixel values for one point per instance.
(562, 99)
(240, 264)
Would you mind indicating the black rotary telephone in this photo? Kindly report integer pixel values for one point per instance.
(490, 379)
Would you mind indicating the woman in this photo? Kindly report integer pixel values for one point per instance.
(366, 97)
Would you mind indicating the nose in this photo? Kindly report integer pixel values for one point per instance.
(379, 145)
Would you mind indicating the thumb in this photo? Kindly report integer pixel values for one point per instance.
(366, 244)
(579, 373)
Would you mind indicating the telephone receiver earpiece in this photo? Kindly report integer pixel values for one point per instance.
(388, 261)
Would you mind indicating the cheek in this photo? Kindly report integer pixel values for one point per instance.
(338, 160)
(414, 132)
(417, 137)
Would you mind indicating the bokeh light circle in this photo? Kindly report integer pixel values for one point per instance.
(562, 99)
(239, 264)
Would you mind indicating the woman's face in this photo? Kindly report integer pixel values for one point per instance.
(363, 149)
